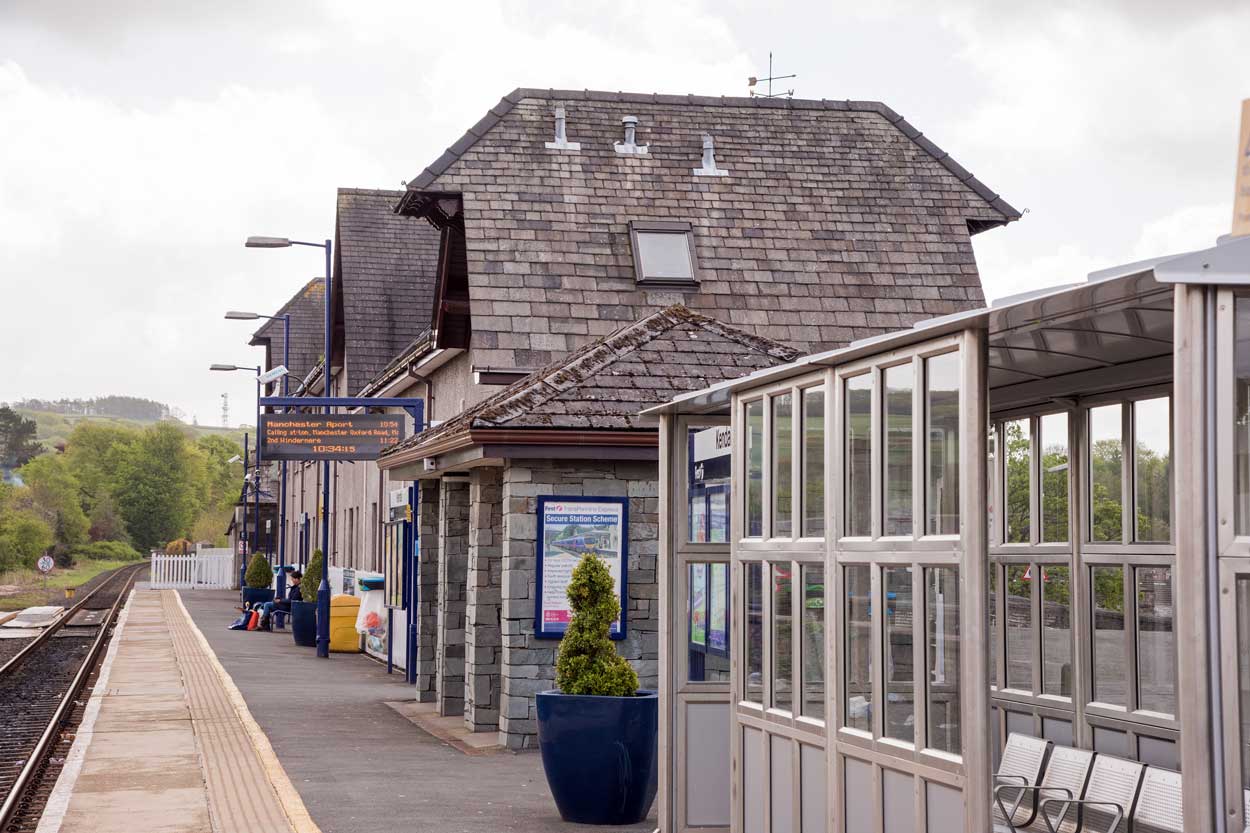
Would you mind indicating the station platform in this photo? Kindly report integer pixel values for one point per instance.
(200, 728)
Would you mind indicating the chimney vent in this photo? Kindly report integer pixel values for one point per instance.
(631, 131)
(562, 141)
(709, 159)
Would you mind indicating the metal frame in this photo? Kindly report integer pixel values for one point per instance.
(663, 227)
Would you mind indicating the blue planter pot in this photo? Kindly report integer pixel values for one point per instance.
(254, 596)
(599, 754)
(304, 623)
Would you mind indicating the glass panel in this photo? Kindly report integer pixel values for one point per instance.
(991, 484)
(859, 455)
(994, 647)
(755, 469)
(783, 642)
(1054, 502)
(814, 462)
(900, 694)
(1156, 641)
(707, 484)
(813, 703)
(1241, 428)
(1018, 442)
(783, 461)
(1020, 627)
(1243, 669)
(1056, 629)
(1106, 447)
(1110, 668)
(896, 466)
(857, 629)
(942, 635)
(706, 616)
(665, 255)
(1152, 468)
(942, 429)
(754, 683)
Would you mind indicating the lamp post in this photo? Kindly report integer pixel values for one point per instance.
(323, 590)
(256, 489)
(235, 315)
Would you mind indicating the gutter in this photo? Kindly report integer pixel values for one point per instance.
(460, 440)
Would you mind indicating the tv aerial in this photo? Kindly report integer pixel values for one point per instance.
(752, 82)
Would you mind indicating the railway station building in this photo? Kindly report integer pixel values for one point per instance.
(1026, 521)
(599, 252)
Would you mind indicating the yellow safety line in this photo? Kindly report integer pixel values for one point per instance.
(292, 804)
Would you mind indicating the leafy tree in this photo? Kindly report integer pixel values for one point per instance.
(159, 483)
(94, 452)
(24, 536)
(588, 663)
(54, 495)
(18, 445)
(107, 524)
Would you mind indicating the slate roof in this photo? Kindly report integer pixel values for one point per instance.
(606, 383)
(838, 219)
(307, 311)
(385, 266)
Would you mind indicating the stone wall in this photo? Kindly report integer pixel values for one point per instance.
(483, 643)
(528, 663)
(453, 561)
(427, 590)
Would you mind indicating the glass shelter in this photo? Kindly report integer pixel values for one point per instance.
(879, 562)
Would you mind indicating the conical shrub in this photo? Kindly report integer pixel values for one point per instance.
(259, 574)
(588, 662)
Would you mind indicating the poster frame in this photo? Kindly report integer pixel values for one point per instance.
(549, 631)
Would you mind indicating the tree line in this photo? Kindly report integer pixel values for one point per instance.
(113, 491)
(124, 407)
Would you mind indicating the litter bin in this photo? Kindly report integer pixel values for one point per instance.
(343, 636)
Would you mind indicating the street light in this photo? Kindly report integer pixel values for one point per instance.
(323, 590)
(264, 379)
(256, 490)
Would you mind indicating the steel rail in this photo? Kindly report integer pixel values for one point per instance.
(35, 760)
(62, 620)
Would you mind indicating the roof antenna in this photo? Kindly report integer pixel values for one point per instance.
(752, 81)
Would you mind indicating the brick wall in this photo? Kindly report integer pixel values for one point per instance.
(427, 590)
(483, 644)
(453, 552)
(528, 664)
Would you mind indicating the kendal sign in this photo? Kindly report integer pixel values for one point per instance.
(328, 436)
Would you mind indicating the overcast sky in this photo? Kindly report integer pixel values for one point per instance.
(143, 140)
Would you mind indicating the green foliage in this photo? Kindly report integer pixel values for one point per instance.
(160, 485)
(18, 445)
(24, 537)
(53, 492)
(106, 551)
(312, 577)
(259, 574)
(107, 524)
(588, 662)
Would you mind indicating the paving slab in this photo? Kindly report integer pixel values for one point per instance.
(359, 765)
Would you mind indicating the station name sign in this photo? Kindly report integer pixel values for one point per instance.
(328, 436)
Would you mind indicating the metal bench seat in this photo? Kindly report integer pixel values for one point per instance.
(1021, 766)
(1159, 803)
(1107, 804)
(1067, 771)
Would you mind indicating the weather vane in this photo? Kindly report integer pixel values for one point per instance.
(752, 81)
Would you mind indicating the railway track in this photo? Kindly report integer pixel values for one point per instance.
(39, 691)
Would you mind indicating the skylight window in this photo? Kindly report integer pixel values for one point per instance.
(663, 253)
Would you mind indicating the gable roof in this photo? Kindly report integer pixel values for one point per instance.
(604, 385)
(493, 116)
(307, 311)
(384, 271)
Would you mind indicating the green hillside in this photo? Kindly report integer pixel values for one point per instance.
(56, 428)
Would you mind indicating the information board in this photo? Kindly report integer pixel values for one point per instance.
(569, 528)
(328, 436)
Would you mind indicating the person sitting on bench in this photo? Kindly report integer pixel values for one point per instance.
(292, 595)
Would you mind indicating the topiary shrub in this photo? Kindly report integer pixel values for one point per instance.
(588, 661)
(259, 575)
(312, 577)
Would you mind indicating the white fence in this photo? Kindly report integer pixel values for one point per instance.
(208, 569)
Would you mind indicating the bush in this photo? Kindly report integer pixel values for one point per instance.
(312, 577)
(106, 551)
(588, 662)
(259, 574)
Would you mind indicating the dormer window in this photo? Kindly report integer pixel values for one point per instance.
(664, 253)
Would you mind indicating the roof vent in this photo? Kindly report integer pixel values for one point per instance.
(628, 146)
(709, 159)
(562, 140)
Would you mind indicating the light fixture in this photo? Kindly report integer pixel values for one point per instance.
(241, 316)
(226, 367)
(267, 242)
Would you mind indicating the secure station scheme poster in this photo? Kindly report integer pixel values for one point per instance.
(569, 528)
